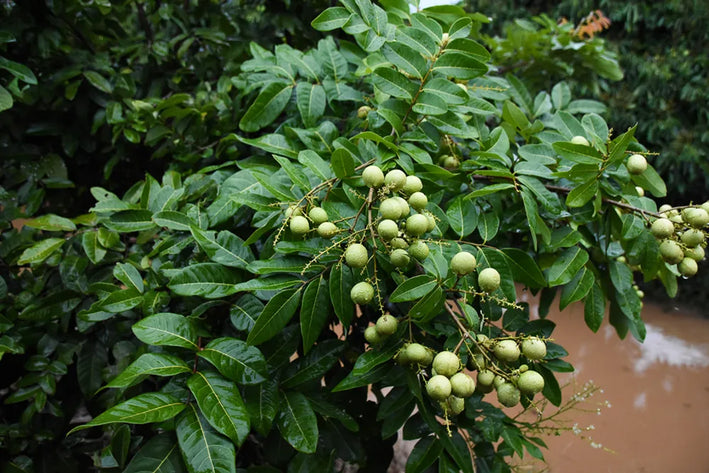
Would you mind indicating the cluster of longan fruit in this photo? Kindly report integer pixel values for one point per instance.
(299, 224)
(682, 236)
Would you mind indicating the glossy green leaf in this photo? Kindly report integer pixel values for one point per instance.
(268, 105)
(98, 81)
(343, 163)
(566, 265)
(341, 282)
(40, 251)
(330, 19)
(582, 193)
(224, 248)
(6, 100)
(129, 275)
(314, 311)
(161, 454)
(51, 222)
(297, 422)
(121, 301)
(127, 221)
(310, 99)
(459, 66)
(394, 83)
(578, 153)
(425, 452)
(413, 288)
(314, 365)
(594, 308)
(277, 313)
(462, 216)
(524, 268)
(208, 280)
(173, 220)
(167, 329)
(577, 288)
(221, 404)
(406, 59)
(149, 364)
(203, 450)
(262, 402)
(236, 360)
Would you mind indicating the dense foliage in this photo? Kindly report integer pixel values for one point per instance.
(326, 227)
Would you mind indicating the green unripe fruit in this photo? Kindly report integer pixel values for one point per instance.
(431, 221)
(463, 263)
(362, 112)
(413, 184)
(386, 325)
(455, 405)
(498, 381)
(418, 200)
(580, 140)
(462, 385)
(416, 353)
(483, 389)
(687, 267)
(640, 191)
(523, 368)
(637, 164)
(388, 229)
(405, 210)
(696, 253)
(665, 208)
(318, 215)
(399, 257)
(705, 206)
(397, 243)
(451, 163)
(696, 217)
(372, 176)
(692, 237)
(429, 358)
(486, 378)
(530, 382)
(299, 225)
(476, 362)
(446, 363)
(327, 229)
(390, 209)
(402, 357)
(372, 336)
(534, 348)
(356, 256)
(489, 280)
(395, 179)
(292, 211)
(419, 250)
(508, 395)
(416, 225)
(506, 350)
(671, 252)
(362, 293)
(662, 228)
(438, 388)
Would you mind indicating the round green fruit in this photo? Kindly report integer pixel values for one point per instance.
(446, 363)
(486, 378)
(292, 211)
(356, 256)
(405, 210)
(299, 225)
(508, 395)
(705, 206)
(462, 385)
(637, 164)
(697, 217)
(419, 250)
(327, 229)
(489, 280)
(388, 229)
(390, 209)
(373, 176)
(640, 191)
(438, 388)
(506, 350)
(416, 353)
(530, 382)
(463, 263)
(431, 221)
(499, 380)
(402, 357)
(662, 228)
(671, 252)
(687, 267)
(455, 405)
(386, 325)
(416, 225)
(362, 293)
(397, 243)
(362, 112)
(399, 257)
(418, 200)
(395, 179)
(372, 336)
(580, 140)
(534, 348)
(413, 184)
(451, 163)
(476, 362)
(696, 253)
(318, 215)
(692, 237)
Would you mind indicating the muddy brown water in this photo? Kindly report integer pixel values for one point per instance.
(653, 398)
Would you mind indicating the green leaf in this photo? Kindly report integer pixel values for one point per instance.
(578, 153)
(394, 83)
(52, 223)
(331, 19)
(40, 250)
(428, 306)
(203, 450)
(524, 268)
(566, 266)
(208, 280)
(459, 66)
(314, 311)
(418, 40)
(342, 163)
(127, 221)
(268, 105)
(272, 283)
(221, 404)
(551, 391)
(651, 181)
(121, 301)
(582, 193)
(226, 248)
(446, 90)
(297, 422)
(314, 365)
(167, 329)
(98, 81)
(161, 454)
(310, 99)
(271, 143)
(577, 288)
(488, 226)
(430, 104)
(6, 100)
(341, 282)
(18, 70)
(145, 408)
(462, 216)
(149, 364)
(236, 360)
(490, 189)
(277, 313)
(173, 220)
(594, 307)
(426, 451)
(406, 59)
(129, 275)
(413, 288)
(316, 164)
(619, 145)
(262, 402)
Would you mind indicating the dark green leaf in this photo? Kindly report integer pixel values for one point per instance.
(149, 364)
(40, 251)
(226, 248)
(568, 263)
(413, 288)
(425, 452)
(394, 83)
(129, 275)
(297, 422)
(277, 313)
(236, 360)
(341, 283)
(51, 222)
(268, 105)
(524, 268)
(202, 449)
(208, 280)
(462, 216)
(168, 329)
(314, 311)
(173, 220)
(161, 454)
